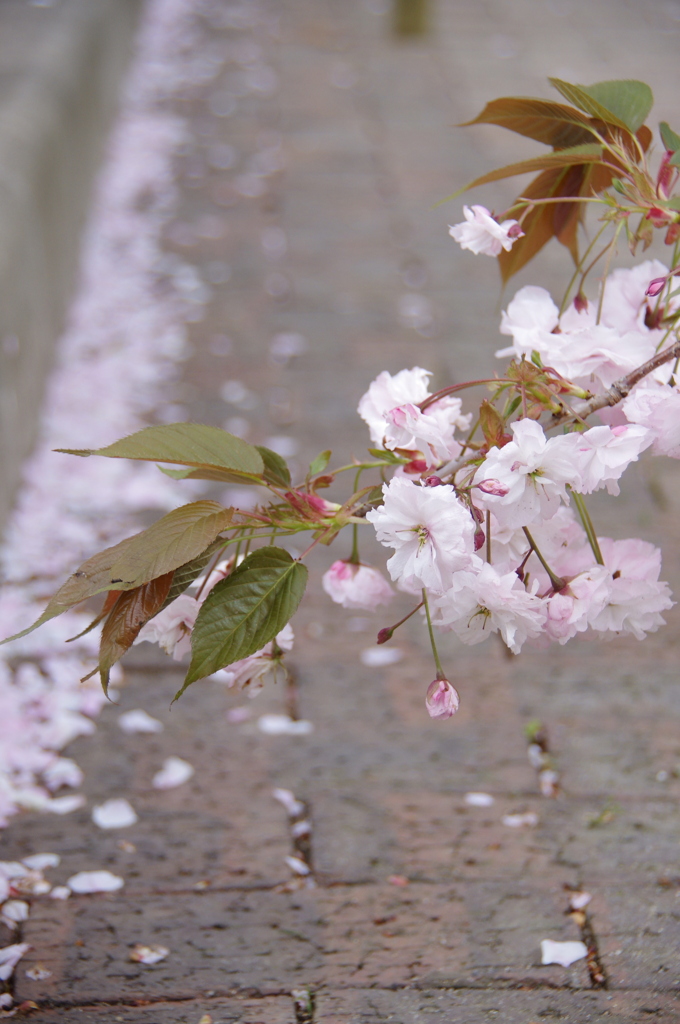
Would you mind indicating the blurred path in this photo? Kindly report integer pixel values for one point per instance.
(307, 185)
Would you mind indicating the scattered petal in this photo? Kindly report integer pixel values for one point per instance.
(64, 804)
(579, 900)
(528, 819)
(60, 892)
(562, 953)
(376, 657)
(117, 813)
(141, 954)
(40, 861)
(95, 881)
(14, 912)
(206, 1019)
(297, 865)
(478, 799)
(282, 725)
(10, 957)
(548, 781)
(285, 797)
(175, 772)
(398, 880)
(237, 715)
(300, 828)
(126, 846)
(6, 1001)
(139, 721)
(13, 869)
(38, 973)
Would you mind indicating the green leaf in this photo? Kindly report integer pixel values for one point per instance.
(670, 140)
(276, 471)
(223, 476)
(130, 612)
(576, 155)
(189, 444)
(91, 578)
(385, 456)
(624, 104)
(318, 464)
(173, 540)
(245, 611)
(630, 101)
(552, 123)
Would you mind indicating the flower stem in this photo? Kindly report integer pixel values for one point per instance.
(557, 582)
(386, 633)
(588, 526)
(438, 665)
(488, 536)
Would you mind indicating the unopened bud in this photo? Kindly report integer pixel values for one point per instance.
(658, 217)
(384, 635)
(442, 699)
(673, 234)
(433, 481)
(580, 303)
(656, 286)
(515, 231)
(415, 467)
(480, 537)
(492, 486)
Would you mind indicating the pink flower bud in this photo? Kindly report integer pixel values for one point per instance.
(442, 699)
(515, 231)
(580, 303)
(492, 486)
(480, 537)
(384, 635)
(433, 481)
(656, 286)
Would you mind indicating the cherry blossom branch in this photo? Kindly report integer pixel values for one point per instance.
(620, 389)
(557, 582)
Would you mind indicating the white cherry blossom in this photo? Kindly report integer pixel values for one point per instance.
(657, 407)
(355, 585)
(638, 597)
(431, 532)
(480, 232)
(387, 392)
(603, 453)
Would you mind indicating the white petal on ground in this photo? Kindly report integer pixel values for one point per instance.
(95, 881)
(10, 957)
(14, 912)
(175, 772)
(579, 900)
(60, 892)
(13, 869)
(562, 953)
(376, 657)
(116, 813)
(139, 721)
(141, 954)
(64, 804)
(300, 828)
(38, 973)
(5, 1002)
(297, 865)
(40, 861)
(527, 820)
(287, 798)
(478, 799)
(239, 714)
(282, 725)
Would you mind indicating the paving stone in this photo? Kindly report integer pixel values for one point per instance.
(270, 1010)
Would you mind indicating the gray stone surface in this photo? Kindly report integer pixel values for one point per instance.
(60, 68)
(425, 909)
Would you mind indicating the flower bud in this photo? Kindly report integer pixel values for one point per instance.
(441, 699)
(656, 286)
(492, 486)
(433, 481)
(384, 635)
(480, 538)
(580, 303)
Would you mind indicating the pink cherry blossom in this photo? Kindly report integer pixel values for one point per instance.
(431, 532)
(638, 597)
(574, 608)
(252, 672)
(533, 470)
(603, 453)
(387, 392)
(485, 602)
(657, 407)
(356, 585)
(481, 233)
(442, 699)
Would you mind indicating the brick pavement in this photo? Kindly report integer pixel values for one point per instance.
(338, 242)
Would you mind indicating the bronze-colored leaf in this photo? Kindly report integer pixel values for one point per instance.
(554, 124)
(589, 153)
(129, 613)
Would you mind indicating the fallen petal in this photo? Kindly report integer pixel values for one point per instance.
(579, 900)
(40, 861)
(562, 953)
(95, 881)
(478, 799)
(13, 912)
(64, 804)
(174, 772)
(117, 813)
(239, 714)
(141, 954)
(60, 892)
(282, 725)
(139, 721)
(38, 973)
(10, 957)
(527, 820)
(297, 865)
(285, 797)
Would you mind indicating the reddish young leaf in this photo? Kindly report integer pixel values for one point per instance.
(554, 124)
(130, 612)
